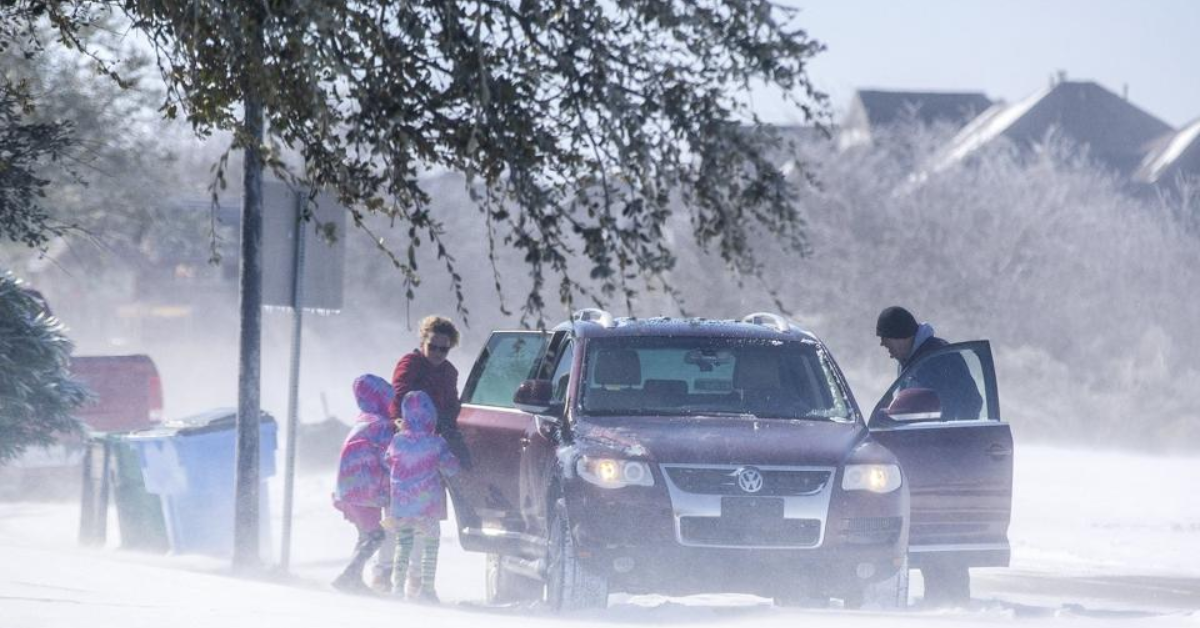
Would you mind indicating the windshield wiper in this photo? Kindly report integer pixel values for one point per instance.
(702, 411)
(817, 416)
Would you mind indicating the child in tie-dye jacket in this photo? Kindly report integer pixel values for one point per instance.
(418, 459)
(363, 482)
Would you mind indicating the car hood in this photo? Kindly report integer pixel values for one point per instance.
(720, 440)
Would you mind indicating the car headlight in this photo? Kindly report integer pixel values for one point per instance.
(613, 473)
(877, 478)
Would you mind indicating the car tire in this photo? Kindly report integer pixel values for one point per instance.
(800, 599)
(946, 584)
(502, 586)
(571, 584)
(803, 593)
(887, 594)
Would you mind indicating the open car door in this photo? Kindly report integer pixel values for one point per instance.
(487, 494)
(941, 418)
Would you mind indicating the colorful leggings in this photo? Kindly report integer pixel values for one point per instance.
(406, 537)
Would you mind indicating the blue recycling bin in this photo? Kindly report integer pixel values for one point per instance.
(190, 464)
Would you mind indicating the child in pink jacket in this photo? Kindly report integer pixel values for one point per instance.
(363, 484)
(417, 460)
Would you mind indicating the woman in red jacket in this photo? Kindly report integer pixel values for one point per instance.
(427, 369)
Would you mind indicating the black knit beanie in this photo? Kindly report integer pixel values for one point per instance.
(896, 322)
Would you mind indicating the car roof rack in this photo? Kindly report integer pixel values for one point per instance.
(593, 315)
(768, 319)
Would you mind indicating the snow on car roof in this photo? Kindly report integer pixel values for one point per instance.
(667, 326)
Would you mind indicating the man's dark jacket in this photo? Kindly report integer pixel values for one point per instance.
(948, 375)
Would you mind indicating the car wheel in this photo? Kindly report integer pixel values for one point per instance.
(890, 593)
(802, 594)
(800, 599)
(946, 584)
(571, 584)
(505, 587)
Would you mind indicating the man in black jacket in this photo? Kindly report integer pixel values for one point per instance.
(946, 582)
(948, 375)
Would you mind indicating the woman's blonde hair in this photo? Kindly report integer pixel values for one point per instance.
(431, 325)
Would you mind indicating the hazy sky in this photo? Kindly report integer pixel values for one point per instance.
(1006, 49)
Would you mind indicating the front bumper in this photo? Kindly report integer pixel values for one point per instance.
(663, 539)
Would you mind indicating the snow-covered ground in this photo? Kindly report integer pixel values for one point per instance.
(1099, 539)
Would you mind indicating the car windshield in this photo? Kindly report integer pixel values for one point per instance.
(716, 376)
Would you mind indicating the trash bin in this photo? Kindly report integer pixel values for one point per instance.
(112, 471)
(190, 464)
(93, 507)
(139, 512)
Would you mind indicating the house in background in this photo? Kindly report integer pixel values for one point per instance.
(873, 109)
(180, 291)
(1118, 135)
(1171, 159)
(122, 296)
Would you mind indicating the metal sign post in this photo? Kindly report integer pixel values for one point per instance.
(289, 473)
(300, 279)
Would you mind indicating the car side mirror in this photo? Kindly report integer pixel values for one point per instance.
(915, 404)
(548, 425)
(533, 396)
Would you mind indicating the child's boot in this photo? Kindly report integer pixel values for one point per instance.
(381, 580)
(351, 579)
(381, 576)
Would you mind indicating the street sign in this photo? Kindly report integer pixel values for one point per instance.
(324, 261)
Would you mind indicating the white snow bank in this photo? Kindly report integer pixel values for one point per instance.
(1099, 539)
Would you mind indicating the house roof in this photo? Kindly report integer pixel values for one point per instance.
(1117, 132)
(888, 107)
(1172, 154)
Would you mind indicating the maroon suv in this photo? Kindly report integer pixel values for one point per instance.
(684, 456)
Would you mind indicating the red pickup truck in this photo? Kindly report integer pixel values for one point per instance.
(127, 391)
(126, 395)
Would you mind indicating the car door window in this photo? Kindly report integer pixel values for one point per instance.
(561, 378)
(954, 383)
(508, 359)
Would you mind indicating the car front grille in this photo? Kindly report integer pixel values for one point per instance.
(872, 530)
(725, 531)
(724, 481)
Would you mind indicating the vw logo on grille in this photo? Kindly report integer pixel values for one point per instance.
(750, 479)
